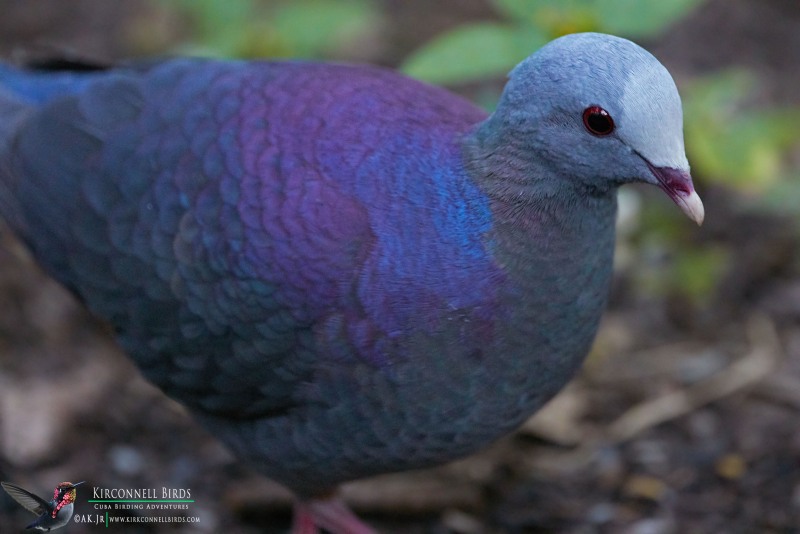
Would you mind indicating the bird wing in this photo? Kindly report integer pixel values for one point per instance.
(236, 229)
(28, 500)
(157, 197)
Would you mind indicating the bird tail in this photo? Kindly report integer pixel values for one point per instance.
(13, 106)
(13, 110)
(22, 92)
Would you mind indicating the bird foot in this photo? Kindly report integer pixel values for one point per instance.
(331, 514)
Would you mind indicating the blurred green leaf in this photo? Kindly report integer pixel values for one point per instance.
(632, 18)
(220, 27)
(636, 18)
(482, 50)
(519, 10)
(210, 15)
(299, 28)
(732, 143)
(719, 91)
(472, 52)
(311, 26)
(696, 271)
(554, 18)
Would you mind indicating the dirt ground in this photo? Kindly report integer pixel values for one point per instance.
(685, 418)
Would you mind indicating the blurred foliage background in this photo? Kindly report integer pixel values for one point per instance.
(736, 140)
(730, 468)
(741, 140)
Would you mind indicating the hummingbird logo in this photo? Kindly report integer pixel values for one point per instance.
(51, 515)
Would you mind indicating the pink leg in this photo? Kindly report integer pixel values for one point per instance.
(330, 513)
(303, 522)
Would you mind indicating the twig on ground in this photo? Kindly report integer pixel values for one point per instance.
(747, 371)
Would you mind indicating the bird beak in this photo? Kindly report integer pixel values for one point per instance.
(78, 483)
(678, 185)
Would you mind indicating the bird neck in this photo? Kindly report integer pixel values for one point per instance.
(555, 242)
(533, 201)
(65, 505)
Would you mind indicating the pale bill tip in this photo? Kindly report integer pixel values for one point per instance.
(692, 206)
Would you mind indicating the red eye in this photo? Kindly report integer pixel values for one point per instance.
(598, 121)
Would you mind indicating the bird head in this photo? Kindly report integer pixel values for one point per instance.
(65, 492)
(601, 111)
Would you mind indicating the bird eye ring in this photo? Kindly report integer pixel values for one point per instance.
(598, 121)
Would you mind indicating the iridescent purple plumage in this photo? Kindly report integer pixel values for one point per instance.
(339, 270)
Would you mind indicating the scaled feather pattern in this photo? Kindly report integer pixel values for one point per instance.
(341, 271)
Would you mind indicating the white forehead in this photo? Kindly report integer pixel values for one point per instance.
(652, 117)
(583, 69)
